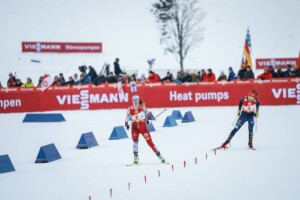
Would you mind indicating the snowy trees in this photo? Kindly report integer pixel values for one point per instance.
(179, 23)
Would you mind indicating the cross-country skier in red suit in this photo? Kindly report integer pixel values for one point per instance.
(138, 113)
(248, 109)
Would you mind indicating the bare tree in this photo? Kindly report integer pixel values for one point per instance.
(179, 23)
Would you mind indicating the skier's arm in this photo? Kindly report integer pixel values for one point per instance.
(127, 118)
(240, 106)
(257, 108)
(145, 110)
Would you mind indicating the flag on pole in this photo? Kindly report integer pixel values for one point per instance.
(133, 87)
(47, 82)
(246, 58)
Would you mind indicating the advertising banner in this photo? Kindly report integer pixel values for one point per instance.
(261, 63)
(61, 47)
(106, 96)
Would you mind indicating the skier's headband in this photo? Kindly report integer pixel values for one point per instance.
(251, 94)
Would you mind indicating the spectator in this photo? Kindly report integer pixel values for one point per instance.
(168, 78)
(288, 71)
(62, 80)
(295, 72)
(18, 83)
(203, 73)
(111, 78)
(196, 77)
(1, 85)
(153, 77)
(133, 78)
(124, 78)
(92, 73)
(266, 75)
(143, 78)
(28, 83)
(40, 81)
(222, 76)
(100, 79)
(187, 77)
(210, 77)
(70, 81)
(280, 73)
(231, 75)
(180, 77)
(76, 79)
(272, 71)
(86, 79)
(241, 73)
(118, 70)
(56, 81)
(249, 73)
(11, 80)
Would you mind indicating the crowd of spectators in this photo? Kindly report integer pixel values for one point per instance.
(106, 76)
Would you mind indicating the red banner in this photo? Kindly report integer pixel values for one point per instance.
(90, 97)
(261, 63)
(61, 47)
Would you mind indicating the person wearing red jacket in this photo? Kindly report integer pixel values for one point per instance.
(210, 76)
(138, 112)
(266, 75)
(11, 82)
(153, 77)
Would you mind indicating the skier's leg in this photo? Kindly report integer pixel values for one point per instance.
(240, 122)
(135, 139)
(149, 141)
(250, 128)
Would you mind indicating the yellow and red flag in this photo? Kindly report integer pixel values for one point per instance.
(246, 58)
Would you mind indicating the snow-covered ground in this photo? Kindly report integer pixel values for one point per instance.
(271, 172)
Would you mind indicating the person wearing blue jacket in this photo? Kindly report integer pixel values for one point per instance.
(231, 75)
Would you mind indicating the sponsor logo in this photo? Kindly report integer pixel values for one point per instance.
(287, 93)
(10, 103)
(198, 96)
(38, 47)
(85, 99)
(283, 62)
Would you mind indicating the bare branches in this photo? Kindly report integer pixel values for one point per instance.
(179, 23)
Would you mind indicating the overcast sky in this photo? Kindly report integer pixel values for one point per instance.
(128, 31)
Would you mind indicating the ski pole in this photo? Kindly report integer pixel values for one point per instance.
(155, 116)
(256, 124)
(160, 113)
(235, 120)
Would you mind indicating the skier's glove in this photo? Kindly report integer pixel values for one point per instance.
(149, 117)
(126, 125)
(238, 113)
(256, 114)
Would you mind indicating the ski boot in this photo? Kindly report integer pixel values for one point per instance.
(250, 143)
(224, 145)
(160, 157)
(135, 158)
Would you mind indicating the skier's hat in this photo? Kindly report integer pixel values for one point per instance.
(253, 93)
